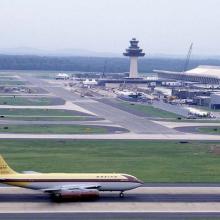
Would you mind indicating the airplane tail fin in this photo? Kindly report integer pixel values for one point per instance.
(4, 168)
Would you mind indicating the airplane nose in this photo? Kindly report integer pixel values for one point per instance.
(140, 181)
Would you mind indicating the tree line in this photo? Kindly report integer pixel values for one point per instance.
(95, 64)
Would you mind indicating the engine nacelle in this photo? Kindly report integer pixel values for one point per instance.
(76, 195)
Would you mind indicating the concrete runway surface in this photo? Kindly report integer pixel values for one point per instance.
(174, 201)
(141, 200)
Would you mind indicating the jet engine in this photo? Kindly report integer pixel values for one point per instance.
(76, 195)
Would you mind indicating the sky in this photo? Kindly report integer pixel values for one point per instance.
(161, 26)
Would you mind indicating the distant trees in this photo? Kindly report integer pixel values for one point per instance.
(94, 64)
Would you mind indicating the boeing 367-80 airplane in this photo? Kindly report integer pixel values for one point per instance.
(69, 185)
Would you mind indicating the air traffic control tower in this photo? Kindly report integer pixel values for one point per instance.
(134, 52)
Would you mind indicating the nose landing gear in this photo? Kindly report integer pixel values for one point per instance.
(121, 195)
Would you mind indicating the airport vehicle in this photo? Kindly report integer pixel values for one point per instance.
(69, 185)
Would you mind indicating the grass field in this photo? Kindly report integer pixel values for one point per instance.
(151, 111)
(11, 82)
(30, 101)
(42, 115)
(53, 129)
(151, 161)
(47, 118)
(209, 130)
(38, 112)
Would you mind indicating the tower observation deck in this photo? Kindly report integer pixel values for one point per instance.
(134, 52)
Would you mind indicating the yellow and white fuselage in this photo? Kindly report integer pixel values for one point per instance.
(104, 181)
(65, 182)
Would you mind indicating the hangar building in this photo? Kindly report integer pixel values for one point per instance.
(201, 74)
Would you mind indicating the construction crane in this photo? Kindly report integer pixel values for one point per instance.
(188, 58)
(186, 64)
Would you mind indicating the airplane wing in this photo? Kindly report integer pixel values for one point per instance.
(71, 188)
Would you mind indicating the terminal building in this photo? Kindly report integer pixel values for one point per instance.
(202, 85)
(201, 74)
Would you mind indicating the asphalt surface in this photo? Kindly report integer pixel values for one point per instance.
(109, 215)
(117, 104)
(16, 203)
(112, 198)
(117, 214)
(125, 119)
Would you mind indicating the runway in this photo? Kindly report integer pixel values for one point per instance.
(153, 199)
(171, 202)
(113, 198)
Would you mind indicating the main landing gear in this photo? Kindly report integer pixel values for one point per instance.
(121, 195)
(56, 197)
